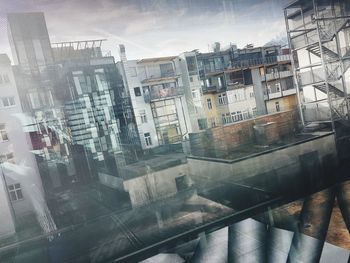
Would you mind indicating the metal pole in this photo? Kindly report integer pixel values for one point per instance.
(324, 66)
(294, 70)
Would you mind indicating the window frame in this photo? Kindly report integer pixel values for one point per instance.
(15, 192)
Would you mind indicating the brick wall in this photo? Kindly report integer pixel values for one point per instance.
(219, 141)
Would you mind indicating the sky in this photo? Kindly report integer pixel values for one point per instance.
(152, 28)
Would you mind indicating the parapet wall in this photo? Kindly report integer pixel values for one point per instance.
(219, 141)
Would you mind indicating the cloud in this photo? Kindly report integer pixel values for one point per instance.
(154, 28)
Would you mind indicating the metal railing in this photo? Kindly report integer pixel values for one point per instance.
(162, 93)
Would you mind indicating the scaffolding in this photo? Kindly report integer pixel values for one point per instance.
(75, 49)
(318, 35)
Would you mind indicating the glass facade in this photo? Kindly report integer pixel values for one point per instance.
(180, 151)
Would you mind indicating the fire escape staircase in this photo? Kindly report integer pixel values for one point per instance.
(331, 28)
(332, 90)
(335, 69)
(315, 49)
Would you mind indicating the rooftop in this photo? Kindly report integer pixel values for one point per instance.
(154, 60)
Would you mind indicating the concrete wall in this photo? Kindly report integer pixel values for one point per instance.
(154, 185)
(258, 92)
(286, 103)
(217, 142)
(283, 161)
(111, 181)
(213, 113)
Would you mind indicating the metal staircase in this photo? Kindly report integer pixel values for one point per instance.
(330, 28)
(330, 22)
(315, 49)
(332, 89)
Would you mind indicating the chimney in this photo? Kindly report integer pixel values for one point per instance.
(216, 47)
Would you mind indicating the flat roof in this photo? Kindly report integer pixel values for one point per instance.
(159, 59)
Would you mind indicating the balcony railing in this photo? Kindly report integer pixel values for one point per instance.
(277, 75)
(255, 62)
(289, 92)
(210, 89)
(275, 95)
(162, 93)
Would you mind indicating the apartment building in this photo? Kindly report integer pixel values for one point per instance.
(21, 190)
(228, 97)
(36, 77)
(158, 99)
(239, 84)
(318, 33)
(278, 84)
(193, 90)
(88, 93)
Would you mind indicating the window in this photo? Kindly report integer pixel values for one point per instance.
(254, 111)
(202, 124)
(220, 82)
(3, 133)
(194, 94)
(226, 118)
(191, 79)
(15, 192)
(246, 115)
(8, 101)
(213, 122)
(210, 106)
(191, 65)
(143, 116)
(277, 105)
(278, 87)
(222, 99)
(208, 82)
(166, 70)
(237, 116)
(137, 91)
(0, 79)
(251, 94)
(148, 139)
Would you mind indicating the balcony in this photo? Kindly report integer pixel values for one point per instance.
(156, 79)
(281, 58)
(162, 93)
(289, 92)
(275, 95)
(276, 75)
(210, 89)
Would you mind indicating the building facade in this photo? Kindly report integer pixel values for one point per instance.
(88, 93)
(37, 80)
(158, 99)
(239, 84)
(21, 183)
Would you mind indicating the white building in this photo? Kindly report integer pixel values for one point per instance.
(193, 93)
(236, 104)
(21, 192)
(157, 94)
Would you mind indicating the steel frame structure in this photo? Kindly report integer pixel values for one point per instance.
(318, 35)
